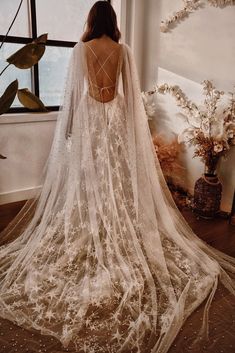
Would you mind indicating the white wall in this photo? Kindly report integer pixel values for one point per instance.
(25, 139)
(201, 47)
(142, 22)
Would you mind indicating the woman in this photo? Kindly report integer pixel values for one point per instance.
(106, 262)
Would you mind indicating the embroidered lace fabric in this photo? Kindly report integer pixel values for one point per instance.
(102, 257)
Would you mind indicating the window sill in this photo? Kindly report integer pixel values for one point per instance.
(20, 118)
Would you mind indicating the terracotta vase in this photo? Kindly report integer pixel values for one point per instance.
(208, 193)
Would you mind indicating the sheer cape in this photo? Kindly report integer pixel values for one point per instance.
(102, 257)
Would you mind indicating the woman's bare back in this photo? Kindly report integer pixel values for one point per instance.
(103, 67)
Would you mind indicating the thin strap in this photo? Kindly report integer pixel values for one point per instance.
(105, 87)
(103, 64)
(92, 51)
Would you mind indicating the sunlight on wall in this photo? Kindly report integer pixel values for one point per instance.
(198, 48)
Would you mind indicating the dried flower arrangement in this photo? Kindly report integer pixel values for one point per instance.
(149, 105)
(168, 156)
(211, 131)
(189, 7)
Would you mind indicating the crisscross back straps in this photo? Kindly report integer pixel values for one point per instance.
(102, 65)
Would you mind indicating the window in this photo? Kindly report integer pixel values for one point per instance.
(64, 22)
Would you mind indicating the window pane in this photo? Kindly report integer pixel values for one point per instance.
(64, 19)
(21, 26)
(52, 72)
(12, 73)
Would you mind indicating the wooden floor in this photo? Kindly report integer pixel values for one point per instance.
(8, 212)
(218, 233)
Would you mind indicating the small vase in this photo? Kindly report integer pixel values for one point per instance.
(207, 194)
(211, 165)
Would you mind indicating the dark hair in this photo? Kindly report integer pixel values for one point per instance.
(101, 20)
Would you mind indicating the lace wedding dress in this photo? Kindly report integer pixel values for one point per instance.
(102, 258)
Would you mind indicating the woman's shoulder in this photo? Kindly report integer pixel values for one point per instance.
(95, 44)
(126, 46)
(78, 45)
(103, 43)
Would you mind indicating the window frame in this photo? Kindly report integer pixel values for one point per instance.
(35, 68)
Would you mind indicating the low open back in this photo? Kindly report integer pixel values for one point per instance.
(103, 70)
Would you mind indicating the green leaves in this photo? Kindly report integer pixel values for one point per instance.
(30, 101)
(30, 54)
(8, 97)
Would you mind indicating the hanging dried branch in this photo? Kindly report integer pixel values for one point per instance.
(189, 7)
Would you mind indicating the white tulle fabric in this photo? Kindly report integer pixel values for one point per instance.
(102, 258)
